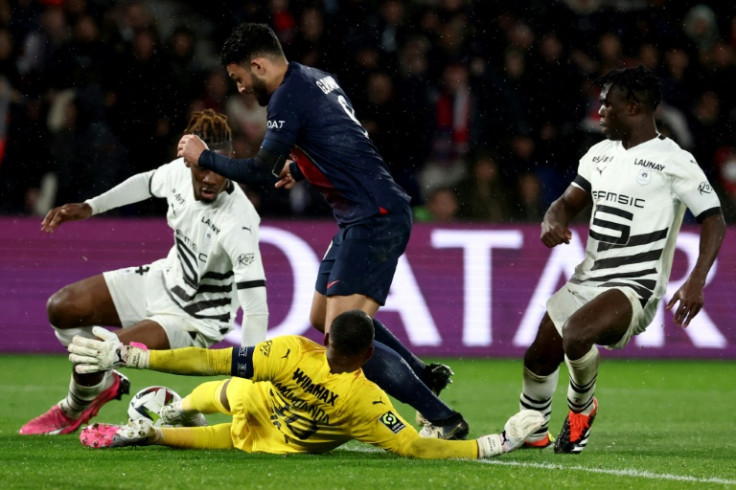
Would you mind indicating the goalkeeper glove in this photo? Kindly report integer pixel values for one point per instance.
(517, 428)
(92, 356)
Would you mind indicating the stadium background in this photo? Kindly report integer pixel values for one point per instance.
(481, 109)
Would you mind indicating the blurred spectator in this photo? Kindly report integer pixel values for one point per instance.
(40, 48)
(701, 27)
(282, 20)
(725, 163)
(310, 46)
(384, 115)
(454, 110)
(247, 118)
(528, 206)
(184, 76)
(142, 104)
(433, 81)
(84, 59)
(215, 90)
(483, 194)
(8, 64)
(27, 157)
(87, 158)
(706, 123)
(442, 206)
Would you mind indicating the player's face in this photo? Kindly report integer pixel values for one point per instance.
(206, 183)
(613, 112)
(249, 83)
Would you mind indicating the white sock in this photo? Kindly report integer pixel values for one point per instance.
(536, 394)
(79, 397)
(583, 373)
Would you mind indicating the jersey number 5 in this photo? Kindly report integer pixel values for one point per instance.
(623, 230)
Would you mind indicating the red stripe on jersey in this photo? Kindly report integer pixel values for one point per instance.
(314, 176)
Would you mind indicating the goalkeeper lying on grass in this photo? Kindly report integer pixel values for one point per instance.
(288, 395)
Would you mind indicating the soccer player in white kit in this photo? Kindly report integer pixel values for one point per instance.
(188, 298)
(639, 184)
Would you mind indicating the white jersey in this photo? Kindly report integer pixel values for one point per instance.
(215, 264)
(639, 199)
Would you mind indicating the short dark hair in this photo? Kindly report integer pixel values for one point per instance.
(638, 84)
(248, 41)
(351, 332)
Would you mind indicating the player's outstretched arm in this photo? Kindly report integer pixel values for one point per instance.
(67, 212)
(91, 356)
(520, 426)
(690, 295)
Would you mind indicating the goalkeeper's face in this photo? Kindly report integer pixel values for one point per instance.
(206, 183)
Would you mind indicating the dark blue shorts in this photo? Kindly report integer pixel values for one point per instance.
(362, 257)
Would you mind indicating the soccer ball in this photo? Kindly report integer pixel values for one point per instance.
(147, 403)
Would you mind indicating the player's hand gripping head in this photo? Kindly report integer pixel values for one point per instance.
(215, 132)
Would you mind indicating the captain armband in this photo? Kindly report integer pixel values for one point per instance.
(242, 362)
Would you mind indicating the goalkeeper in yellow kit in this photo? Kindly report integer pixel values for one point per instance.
(288, 395)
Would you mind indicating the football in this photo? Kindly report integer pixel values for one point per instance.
(147, 403)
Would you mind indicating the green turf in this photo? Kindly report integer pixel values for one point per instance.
(661, 424)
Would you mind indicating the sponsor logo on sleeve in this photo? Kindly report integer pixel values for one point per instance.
(265, 348)
(705, 188)
(246, 259)
(393, 422)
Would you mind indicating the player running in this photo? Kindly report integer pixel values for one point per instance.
(639, 183)
(189, 298)
(290, 395)
(314, 135)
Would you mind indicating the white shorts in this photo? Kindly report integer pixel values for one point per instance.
(571, 297)
(139, 294)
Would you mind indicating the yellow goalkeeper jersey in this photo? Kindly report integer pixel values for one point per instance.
(294, 404)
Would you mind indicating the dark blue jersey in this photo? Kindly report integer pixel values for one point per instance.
(312, 121)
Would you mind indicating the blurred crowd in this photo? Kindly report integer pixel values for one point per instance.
(480, 108)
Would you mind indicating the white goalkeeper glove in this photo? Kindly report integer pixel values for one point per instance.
(92, 356)
(517, 429)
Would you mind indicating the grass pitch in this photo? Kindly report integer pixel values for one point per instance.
(661, 424)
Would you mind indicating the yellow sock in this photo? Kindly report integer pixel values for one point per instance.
(210, 437)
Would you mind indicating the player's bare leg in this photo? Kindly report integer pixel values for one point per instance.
(73, 310)
(83, 303)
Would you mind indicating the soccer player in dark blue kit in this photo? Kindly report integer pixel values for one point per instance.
(314, 135)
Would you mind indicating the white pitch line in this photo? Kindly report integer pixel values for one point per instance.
(622, 472)
(548, 466)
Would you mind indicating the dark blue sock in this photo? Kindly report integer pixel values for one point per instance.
(389, 371)
(388, 339)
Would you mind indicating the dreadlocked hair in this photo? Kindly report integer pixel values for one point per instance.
(212, 127)
(638, 83)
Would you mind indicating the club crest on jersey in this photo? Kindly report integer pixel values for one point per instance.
(393, 422)
(644, 177)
